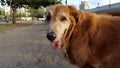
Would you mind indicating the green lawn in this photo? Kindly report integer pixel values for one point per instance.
(6, 27)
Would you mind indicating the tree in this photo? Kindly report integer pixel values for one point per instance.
(19, 14)
(1, 14)
(31, 3)
(36, 12)
(40, 12)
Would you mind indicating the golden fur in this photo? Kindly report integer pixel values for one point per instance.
(94, 41)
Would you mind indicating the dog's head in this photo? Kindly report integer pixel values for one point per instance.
(59, 19)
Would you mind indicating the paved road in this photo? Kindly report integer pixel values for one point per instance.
(27, 47)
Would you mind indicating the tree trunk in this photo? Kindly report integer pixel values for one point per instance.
(14, 11)
(14, 16)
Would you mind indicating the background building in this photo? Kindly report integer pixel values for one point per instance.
(112, 9)
(84, 5)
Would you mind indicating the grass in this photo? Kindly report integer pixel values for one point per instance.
(3, 28)
(6, 27)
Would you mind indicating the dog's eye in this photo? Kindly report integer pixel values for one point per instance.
(48, 17)
(63, 18)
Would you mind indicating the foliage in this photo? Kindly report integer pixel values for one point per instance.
(1, 14)
(31, 3)
(20, 14)
(40, 12)
(37, 3)
(36, 12)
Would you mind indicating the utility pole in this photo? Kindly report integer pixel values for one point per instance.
(109, 3)
(66, 2)
(98, 4)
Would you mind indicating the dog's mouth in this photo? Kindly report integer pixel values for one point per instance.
(56, 44)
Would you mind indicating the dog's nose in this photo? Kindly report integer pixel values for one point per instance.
(51, 36)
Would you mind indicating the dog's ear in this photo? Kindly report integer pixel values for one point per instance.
(74, 12)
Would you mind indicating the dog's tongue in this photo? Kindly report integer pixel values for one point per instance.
(56, 45)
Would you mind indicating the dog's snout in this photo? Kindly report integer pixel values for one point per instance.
(51, 36)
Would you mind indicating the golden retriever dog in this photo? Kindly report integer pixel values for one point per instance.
(86, 39)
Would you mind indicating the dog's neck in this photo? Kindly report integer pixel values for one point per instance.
(80, 28)
(67, 38)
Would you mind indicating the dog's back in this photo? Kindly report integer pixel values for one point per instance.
(107, 42)
(99, 46)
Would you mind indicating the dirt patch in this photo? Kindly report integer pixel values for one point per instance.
(6, 27)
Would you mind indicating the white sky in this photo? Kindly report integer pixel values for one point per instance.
(92, 3)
